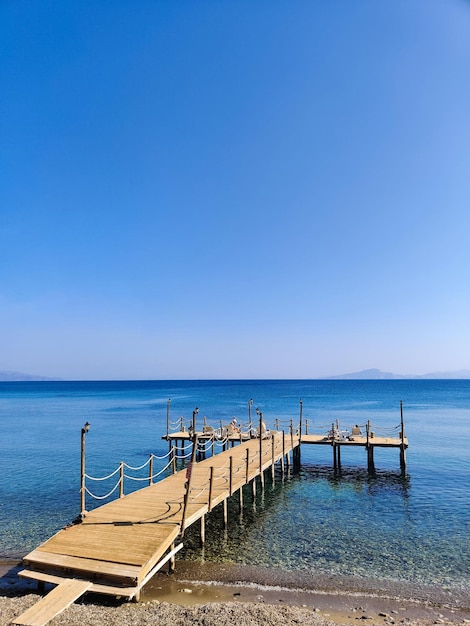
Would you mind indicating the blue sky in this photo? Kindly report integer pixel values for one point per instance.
(249, 189)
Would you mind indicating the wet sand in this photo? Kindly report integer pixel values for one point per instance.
(206, 593)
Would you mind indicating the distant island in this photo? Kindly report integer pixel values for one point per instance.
(369, 374)
(376, 374)
(8, 376)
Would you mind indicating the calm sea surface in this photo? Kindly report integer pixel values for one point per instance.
(413, 529)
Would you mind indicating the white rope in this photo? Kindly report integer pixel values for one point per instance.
(160, 458)
(135, 469)
(104, 477)
(103, 497)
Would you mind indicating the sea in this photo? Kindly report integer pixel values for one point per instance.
(382, 530)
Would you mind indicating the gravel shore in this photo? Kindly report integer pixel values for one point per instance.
(213, 614)
(178, 601)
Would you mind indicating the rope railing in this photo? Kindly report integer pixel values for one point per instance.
(110, 493)
(123, 476)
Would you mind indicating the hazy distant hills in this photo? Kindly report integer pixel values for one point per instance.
(370, 374)
(7, 376)
(375, 374)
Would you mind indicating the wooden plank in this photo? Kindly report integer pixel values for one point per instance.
(62, 561)
(111, 590)
(54, 603)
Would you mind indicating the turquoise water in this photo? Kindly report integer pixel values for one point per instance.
(412, 528)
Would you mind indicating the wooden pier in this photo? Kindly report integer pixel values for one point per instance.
(117, 548)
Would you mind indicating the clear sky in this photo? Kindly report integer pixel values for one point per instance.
(234, 189)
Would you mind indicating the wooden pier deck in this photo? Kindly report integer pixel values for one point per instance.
(116, 548)
(119, 546)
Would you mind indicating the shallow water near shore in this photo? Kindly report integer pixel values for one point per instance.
(318, 524)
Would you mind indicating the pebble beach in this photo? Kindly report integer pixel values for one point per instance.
(178, 600)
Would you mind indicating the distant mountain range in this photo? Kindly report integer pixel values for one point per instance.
(375, 374)
(7, 376)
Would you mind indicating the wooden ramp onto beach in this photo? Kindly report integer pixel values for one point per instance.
(119, 546)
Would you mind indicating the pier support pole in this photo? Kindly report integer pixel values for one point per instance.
(283, 452)
(402, 437)
(261, 432)
(272, 458)
(370, 449)
(296, 454)
(203, 530)
(225, 513)
(172, 561)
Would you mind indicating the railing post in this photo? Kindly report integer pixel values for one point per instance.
(211, 482)
(306, 426)
(121, 479)
(85, 429)
(168, 417)
(272, 456)
(250, 403)
(173, 459)
(260, 432)
(189, 474)
(276, 423)
(247, 465)
(230, 484)
(283, 458)
(301, 412)
(151, 469)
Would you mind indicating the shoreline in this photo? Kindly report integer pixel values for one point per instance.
(200, 589)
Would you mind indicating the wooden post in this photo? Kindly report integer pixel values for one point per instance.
(272, 457)
(276, 423)
(370, 449)
(283, 451)
(261, 424)
(203, 530)
(85, 429)
(370, 458)
(151, 469)
(189, 474)
(297, 458)
(240, 497)
(301, 414)
(168, 417)
(225, 513)
(121, 479)
(250, 403)
(171, 561)
(211, 483)
(306, 426)
(402, 445)
(173, 459)
(247, 465)
(230, 484)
